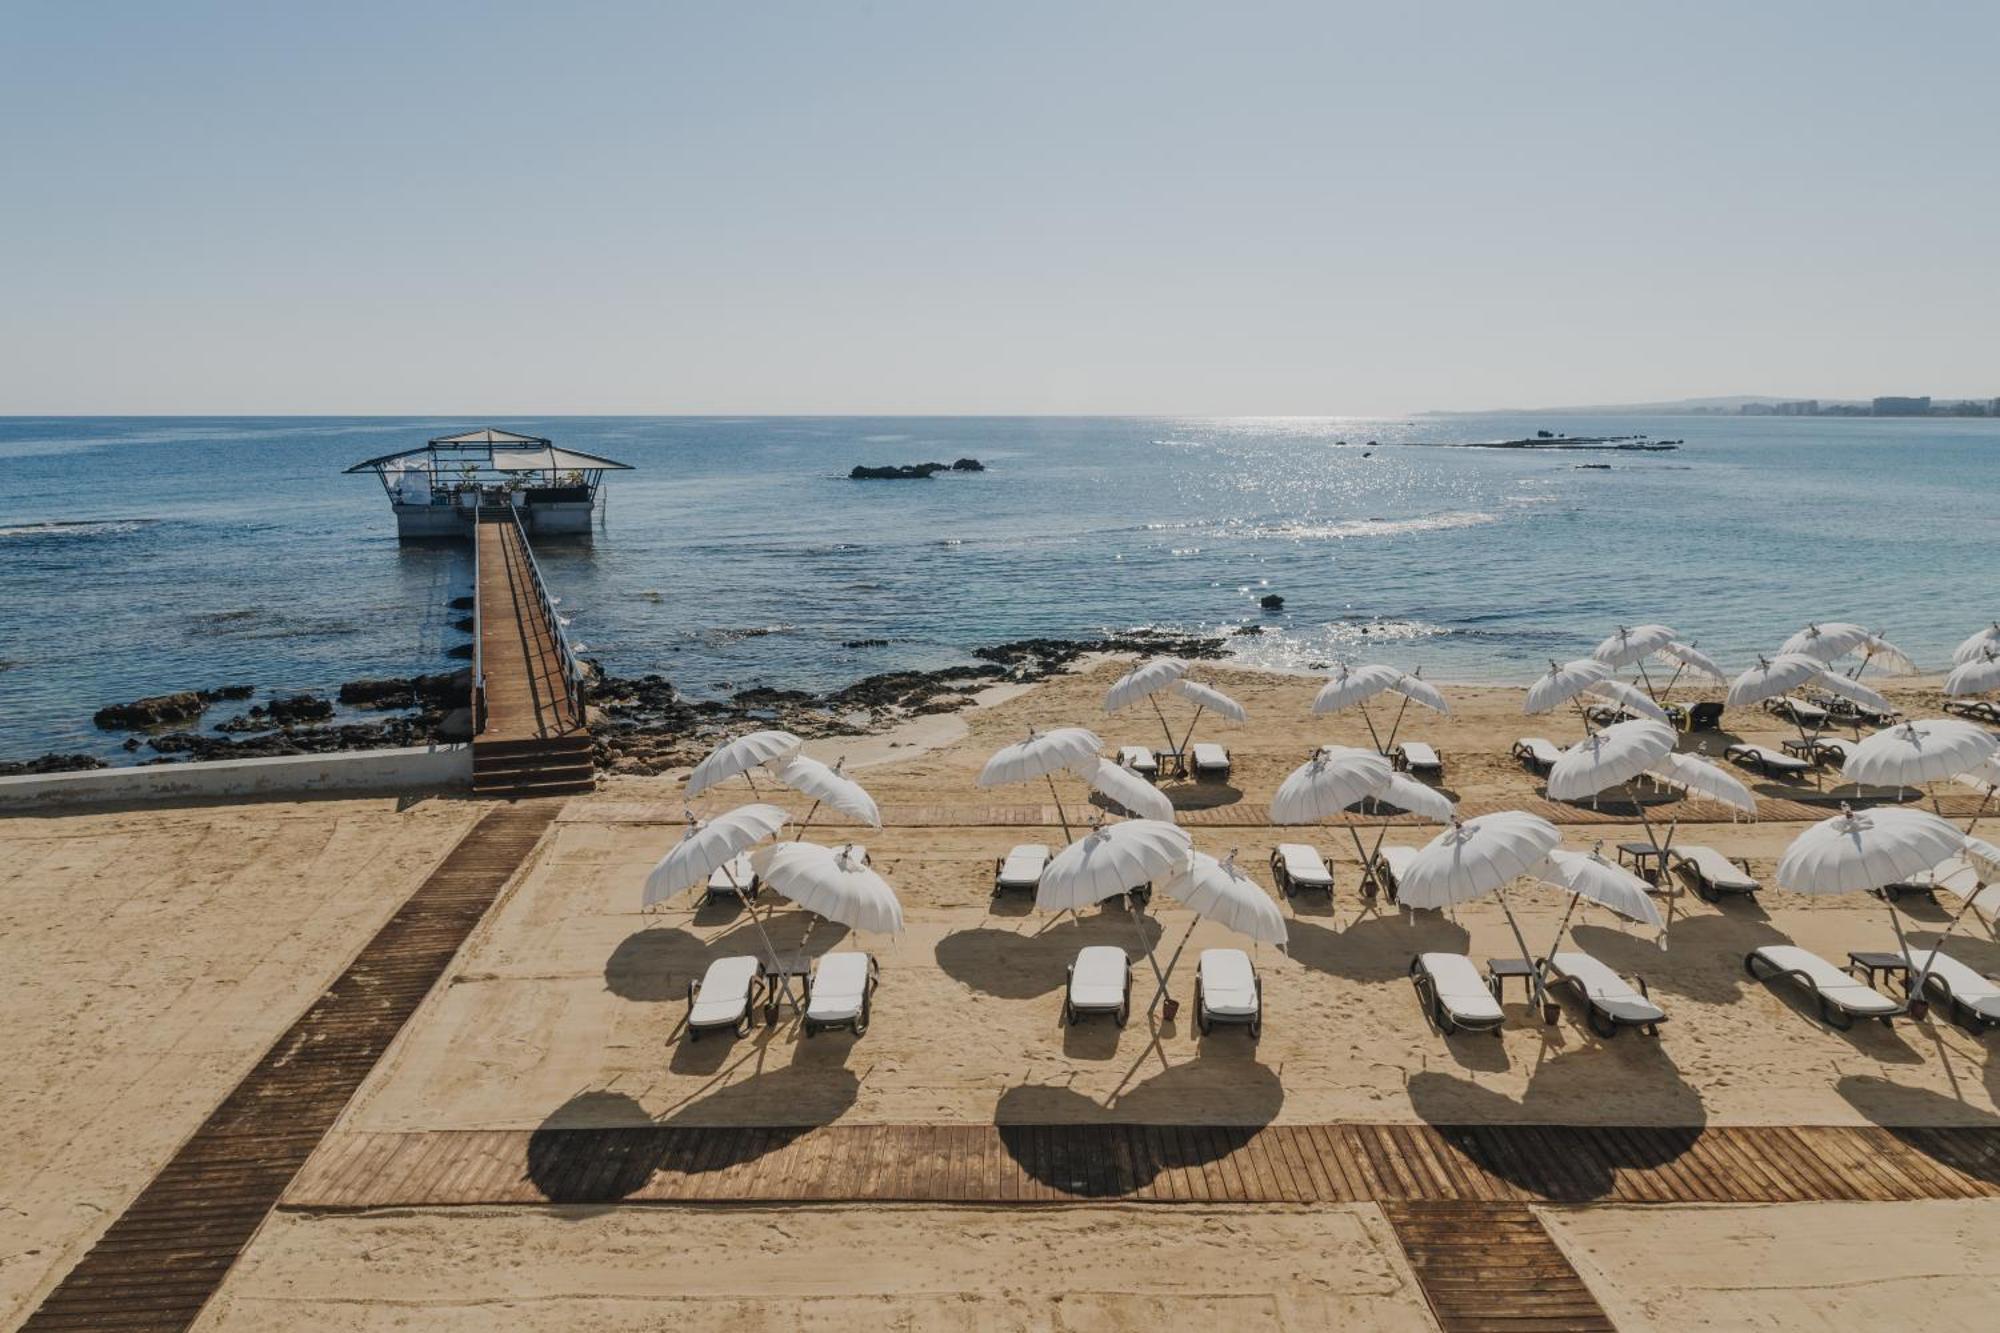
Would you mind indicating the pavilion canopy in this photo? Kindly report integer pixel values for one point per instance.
(500, 451)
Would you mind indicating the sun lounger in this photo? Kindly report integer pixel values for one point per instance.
(1801, 711)
(1385, 872)
(1538, 754)
(1455, 994)
(1140, 760)
(1296, 867)
(1605, 715)
(1210, 760)
(1842, 999)
(1609, 998)
(840, 992)
(735, 880)
(1704, 716)
(1848, 710)
(1770, 763)
(1100, 982)
(1418, 759)
(1227, 990)
(1979, 710)
(1021, 868)
(1974, 1000)
(1711, 874)
(722, 998)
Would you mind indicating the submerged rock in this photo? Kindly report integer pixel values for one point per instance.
(1270, 601)
(296, 710)
(51, 763)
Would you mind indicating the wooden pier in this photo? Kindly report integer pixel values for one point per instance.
(533, 739)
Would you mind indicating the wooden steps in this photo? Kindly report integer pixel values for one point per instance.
(1493, 1266)
(555, 766)
(164, 1256)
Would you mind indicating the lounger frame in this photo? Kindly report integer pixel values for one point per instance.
(1961, 1013)
(1602, 1021)
(1831, 1010)
(742, 1024)
(1205, 1022)
(1121, 1013)
(1434, 1006)
(858, 1024)
(1707, 889)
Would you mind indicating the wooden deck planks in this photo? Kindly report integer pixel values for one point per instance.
(525, 695)
(1333, 1163)
(1492, 1265)
(164, 1256)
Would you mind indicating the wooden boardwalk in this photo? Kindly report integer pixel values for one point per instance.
(164, 1256)
(525, 696)
(1256, 814)
(1488, 1266)
(1043, 1164)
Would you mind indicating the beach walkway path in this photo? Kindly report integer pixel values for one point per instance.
(164, 1256)
(535, 741)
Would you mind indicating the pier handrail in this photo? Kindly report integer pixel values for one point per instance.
(573, 678)
(478, 644)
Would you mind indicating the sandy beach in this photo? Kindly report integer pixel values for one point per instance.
(564, 1010)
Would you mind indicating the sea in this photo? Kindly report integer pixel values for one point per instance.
(141, 556)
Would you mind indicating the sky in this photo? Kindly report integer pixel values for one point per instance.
(1313, 208)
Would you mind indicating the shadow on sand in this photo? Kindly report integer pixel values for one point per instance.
(1022, 964)
(1191, 1114)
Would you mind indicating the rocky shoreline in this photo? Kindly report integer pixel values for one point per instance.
(641, 725)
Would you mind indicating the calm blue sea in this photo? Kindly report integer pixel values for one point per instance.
(145, 555)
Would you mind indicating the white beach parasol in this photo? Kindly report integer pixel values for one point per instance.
(707, 847)
(1686, 655)
(1206, 698)
(1978, 643)
(1613, 755)
(826, 785)
(1114, 859)
(1589, 875)
(1771, 677)
(739, 756)
(1145, 681)
(1628, 646)
(1975, 675)
(1415, 798)
(1849, 688)
(1876, 649)
(1629, 697)
(1561, 684)
(1858, 850)
(1217, 891)
(1131, 791)
(1916, 752)
(1350, 685)
(1826, 640)
(1334, 778)
(1476, 857)
(833, 882)
(1702, 778)
(1042, 755)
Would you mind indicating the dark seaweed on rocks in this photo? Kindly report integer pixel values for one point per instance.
(165, 710)
(51, 763)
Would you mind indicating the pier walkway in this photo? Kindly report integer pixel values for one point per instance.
(534, 740)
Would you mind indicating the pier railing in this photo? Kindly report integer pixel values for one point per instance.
(478, 646)
(572, 670)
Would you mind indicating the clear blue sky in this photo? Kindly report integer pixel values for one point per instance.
(1160, 207)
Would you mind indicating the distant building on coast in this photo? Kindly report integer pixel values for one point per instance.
(1902, 407)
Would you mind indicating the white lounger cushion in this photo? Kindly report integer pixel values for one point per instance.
(1540, 748)
(720, 880)
(839, 985)
(1716, 868)
(1398, 860)
(1829, 980)
(1137, 757)
(1024, 865)
(1977, 993)
(1419, 755)
(724, 993)
(1773, 758)
(1228, 983)
(1098, 979)
(1207, 754)
(1460, 988)
(1607, 990)
(1302, 863)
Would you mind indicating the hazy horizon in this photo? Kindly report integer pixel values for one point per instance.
(1300, 210)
